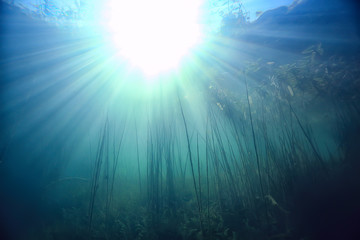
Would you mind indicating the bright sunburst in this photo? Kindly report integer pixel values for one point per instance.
(153, 35)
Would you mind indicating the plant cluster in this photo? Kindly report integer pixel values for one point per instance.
(236, 176)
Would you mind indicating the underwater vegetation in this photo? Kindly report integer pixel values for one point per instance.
(242, 148)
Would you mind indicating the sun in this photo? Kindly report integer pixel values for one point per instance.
(153, 35)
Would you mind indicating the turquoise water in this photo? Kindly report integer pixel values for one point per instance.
(254, 136)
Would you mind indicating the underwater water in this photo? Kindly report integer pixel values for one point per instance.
(255, 134)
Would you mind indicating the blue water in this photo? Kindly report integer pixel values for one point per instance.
(254, 136)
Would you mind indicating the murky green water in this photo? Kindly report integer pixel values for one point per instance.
(254, 136)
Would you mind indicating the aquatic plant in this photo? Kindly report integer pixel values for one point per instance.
(96, 175)
(233, 152)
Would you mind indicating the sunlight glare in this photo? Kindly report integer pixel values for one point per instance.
(153, 35)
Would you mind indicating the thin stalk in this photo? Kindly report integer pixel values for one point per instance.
(207, 175)
(115, 164)
(137, 155)
(96, 175)
(199, 176)
(255, 146)
(308, 138)
(191, 161)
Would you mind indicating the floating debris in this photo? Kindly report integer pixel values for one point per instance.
(250, 100)
(290, 90)
(219, 105)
